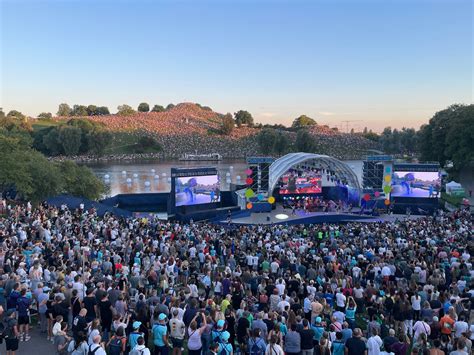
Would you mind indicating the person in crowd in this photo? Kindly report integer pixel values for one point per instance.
(249, 289)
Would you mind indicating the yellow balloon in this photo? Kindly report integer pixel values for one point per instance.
(271, 199)
(388, 178)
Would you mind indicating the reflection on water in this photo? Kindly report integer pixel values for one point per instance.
(154, 175)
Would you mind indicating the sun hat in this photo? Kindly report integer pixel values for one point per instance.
(225, 336)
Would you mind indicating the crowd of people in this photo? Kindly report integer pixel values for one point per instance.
(107, 285)
(187, 128)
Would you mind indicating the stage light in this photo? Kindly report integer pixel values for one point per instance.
(153, 171)
(147, 184)
(281, 216)
(106, 176)
(157, 177)
(135, 176)
(129, 181)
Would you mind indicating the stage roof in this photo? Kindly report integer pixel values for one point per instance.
(285, 163)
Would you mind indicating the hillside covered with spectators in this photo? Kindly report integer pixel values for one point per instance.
(190, 128)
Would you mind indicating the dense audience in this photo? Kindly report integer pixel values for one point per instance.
(108, 285)
(187, 128)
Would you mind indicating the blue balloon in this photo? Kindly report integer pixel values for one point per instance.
(388, 169)
(260, 197)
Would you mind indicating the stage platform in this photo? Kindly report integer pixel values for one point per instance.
(284, 216)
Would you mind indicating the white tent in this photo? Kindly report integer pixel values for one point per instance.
(452, 186)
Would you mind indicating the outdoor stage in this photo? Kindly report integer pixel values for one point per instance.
(284, 216)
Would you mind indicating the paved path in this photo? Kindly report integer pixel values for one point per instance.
(37, 345)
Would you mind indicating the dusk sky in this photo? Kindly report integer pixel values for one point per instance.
(380, 62)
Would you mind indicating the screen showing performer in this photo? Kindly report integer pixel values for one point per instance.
(197, 190)
(415, 184)
(307, 182)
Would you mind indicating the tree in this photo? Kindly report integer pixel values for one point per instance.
(51, 142)
(64, 110)
(266, 139)
(158, 108)
(70, 139)
(169, 107)
(2, 114)
(143, 107)
(27, 174)
(303, 121)
(103, 110)
(227, 125)
(281, 143)
(147, 144)
(125, 110)
(449, 136)
(97, 141)
(80, 181)
(45, 115)
(17, 115)
(365, 130)
(243, 117)
(305, 141)
(79, 110)
(92, 110)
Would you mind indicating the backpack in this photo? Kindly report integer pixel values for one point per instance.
(224, 349)
(92, 352)
(254, 348)
(115, 346)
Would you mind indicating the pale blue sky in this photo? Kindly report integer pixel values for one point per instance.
(386, 62)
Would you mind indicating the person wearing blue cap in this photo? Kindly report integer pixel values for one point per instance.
(135, 334)
(224, 347)
(216, 333)
(318, 329)
(160, 336)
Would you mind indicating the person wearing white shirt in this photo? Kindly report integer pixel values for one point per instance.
(421, 327)
(460, 326)
(96, 347)
(340, 301)
(374, 343)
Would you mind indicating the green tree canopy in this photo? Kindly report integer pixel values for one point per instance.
(79, 110)
(143, 107)
(303, 121)
(45, 115)
(70, 139)
(80, 181)
(227, 125)
(125, 110)
(170, 106)
(64, 110)
(16, 114)
(243, 117)
(449, 135)
(103, 110)
(158, 108)
(266, 139)
(305, 142)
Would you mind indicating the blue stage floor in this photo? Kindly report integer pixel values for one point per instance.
(308, 218)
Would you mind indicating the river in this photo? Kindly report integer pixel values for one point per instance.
(153, 175)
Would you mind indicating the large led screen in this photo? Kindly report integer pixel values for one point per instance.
(415, 184)
(306, 183)
(197, 190)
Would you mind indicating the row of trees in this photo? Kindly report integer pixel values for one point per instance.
(64, 110)
(449, 136)
(71, 138)
(28, 174)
